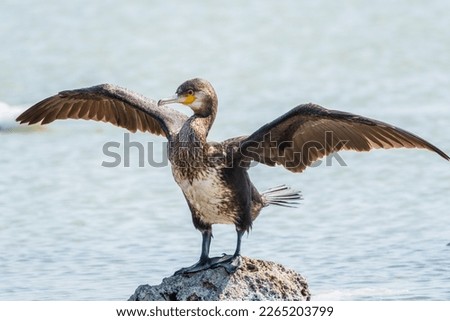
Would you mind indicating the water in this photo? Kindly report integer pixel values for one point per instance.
(378, 228)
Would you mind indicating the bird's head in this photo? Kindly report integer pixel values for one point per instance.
(196, 93)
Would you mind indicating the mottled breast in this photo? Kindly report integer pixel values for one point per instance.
(208, 195)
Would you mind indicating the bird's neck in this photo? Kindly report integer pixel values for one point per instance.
(200, 123)
(194, 131)
(200, 126)
(189, 148)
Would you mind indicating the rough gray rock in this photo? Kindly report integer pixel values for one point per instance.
(255, 280)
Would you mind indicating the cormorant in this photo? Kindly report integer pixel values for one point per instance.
(213, 176)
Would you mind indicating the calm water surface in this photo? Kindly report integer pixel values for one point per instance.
(378, 228)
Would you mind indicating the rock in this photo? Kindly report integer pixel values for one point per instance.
(255, 280)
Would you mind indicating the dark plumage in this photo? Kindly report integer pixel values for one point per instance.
(213, 176)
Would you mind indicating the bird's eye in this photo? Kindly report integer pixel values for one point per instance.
(190, 92)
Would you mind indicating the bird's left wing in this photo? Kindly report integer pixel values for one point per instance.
(309, 132)
(107, 103)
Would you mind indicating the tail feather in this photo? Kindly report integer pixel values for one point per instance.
(282, 196)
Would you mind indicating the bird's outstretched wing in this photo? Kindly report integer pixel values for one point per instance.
(309, 132)
(107, 103)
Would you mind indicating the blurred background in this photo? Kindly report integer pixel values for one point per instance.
(375, 229)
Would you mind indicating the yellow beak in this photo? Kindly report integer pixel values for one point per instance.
(185, 100)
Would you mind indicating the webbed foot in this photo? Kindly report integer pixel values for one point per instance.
(199, 266)
(229, 262)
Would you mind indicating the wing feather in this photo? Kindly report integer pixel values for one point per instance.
(93, 111)
(309, 132)
(107, 103)
(73, 109)
(84, 109)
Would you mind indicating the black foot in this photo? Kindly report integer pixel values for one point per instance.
(199, 266)
(229, 262)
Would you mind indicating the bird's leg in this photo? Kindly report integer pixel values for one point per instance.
(206, 243)
(237, 252)
(230, 262)
(204, 262)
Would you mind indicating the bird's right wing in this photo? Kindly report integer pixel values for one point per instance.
(107, 103)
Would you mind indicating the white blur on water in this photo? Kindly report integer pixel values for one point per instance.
(377, 228)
